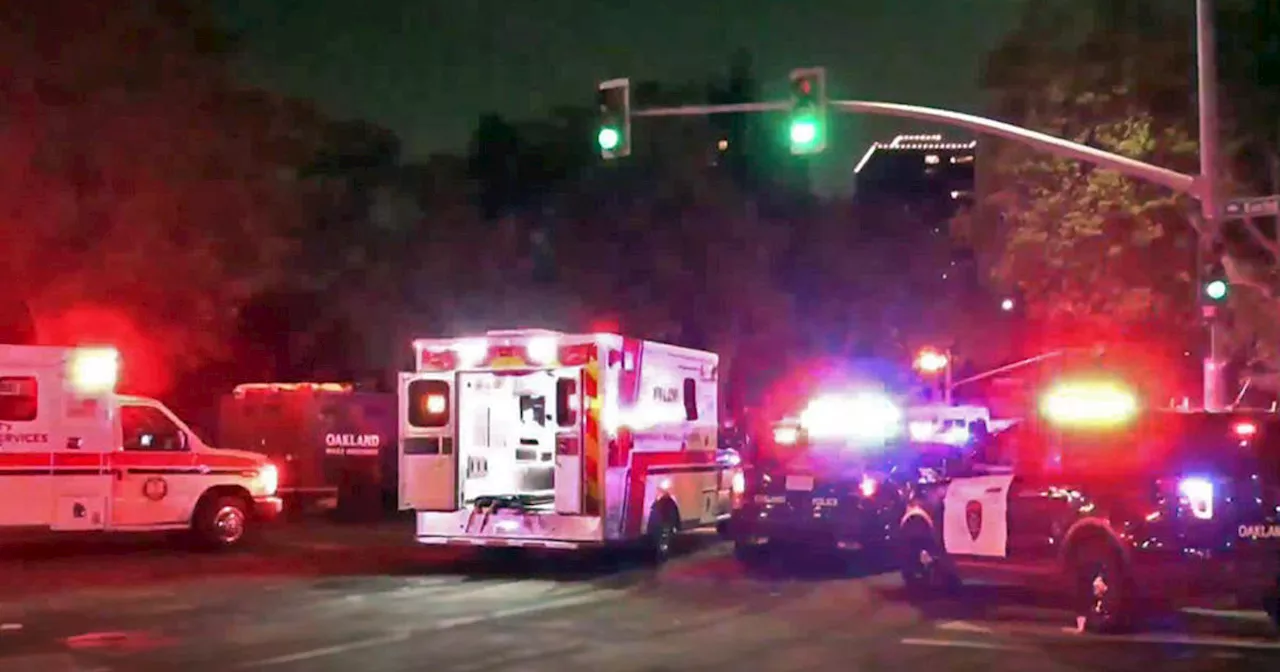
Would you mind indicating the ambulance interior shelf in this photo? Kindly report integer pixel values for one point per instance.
(507, 434)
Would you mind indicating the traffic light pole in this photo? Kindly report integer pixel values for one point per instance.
(1202, 187)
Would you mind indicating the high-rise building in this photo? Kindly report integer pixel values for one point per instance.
(917, 169)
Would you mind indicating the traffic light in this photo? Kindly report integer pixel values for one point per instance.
(1215, 286)
(808, 124)
(614, 134)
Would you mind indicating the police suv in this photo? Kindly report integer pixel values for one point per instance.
(824, 479)
(1122, 507)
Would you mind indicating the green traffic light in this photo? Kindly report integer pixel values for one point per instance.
(609, 138)
(1216, 290)
(804, 132)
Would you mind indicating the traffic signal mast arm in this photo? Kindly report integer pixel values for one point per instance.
(1171, 179)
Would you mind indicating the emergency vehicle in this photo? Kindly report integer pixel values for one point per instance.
(825, 478)
(77, 457)
(941, 423)
(1118, 504)
(539, 439)
(330, 439)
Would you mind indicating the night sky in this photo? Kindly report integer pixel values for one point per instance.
(427, 68)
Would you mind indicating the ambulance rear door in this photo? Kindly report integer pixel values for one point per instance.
(428, 458)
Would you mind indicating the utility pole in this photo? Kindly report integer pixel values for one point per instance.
(1207, 90)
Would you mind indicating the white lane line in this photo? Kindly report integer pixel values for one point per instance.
(960, 644)
(963, 626)
(1239, 615)
(1147, 638)
(330, 650)
(438, 626)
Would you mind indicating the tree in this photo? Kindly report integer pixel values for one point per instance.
(144, 195)
(1090, 251)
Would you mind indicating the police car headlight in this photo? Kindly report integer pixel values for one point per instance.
(268, 479)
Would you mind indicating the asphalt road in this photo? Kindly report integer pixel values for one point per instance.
(318, 597)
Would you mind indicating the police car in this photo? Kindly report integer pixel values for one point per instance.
(824, 479)
(1124, 508)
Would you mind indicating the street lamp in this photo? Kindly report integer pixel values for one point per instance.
(931, 362)
(1006, 305)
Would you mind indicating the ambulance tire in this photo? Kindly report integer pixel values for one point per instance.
(1102, 588)
(222, 522)
(660, 535)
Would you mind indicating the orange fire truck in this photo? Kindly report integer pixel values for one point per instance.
(538, 439)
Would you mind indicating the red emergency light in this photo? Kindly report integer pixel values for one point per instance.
(1244, 429)
(284, 388)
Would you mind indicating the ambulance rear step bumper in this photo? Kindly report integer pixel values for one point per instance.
(506, 542)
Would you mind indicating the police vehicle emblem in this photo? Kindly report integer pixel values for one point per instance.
(973, 518)
(155, 489)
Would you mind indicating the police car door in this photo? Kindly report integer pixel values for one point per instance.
(428, 458)
(975, 509)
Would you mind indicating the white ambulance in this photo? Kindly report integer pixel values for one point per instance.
(538, 439)
(77, 457)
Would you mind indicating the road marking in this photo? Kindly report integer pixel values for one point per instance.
(331, 650)
(961, 644)
(1147, 638)
(1239, 615)
(438, 626)
(963, 626)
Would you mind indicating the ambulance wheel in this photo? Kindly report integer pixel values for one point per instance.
(1102, 589)
(661, 535)
(222, 522)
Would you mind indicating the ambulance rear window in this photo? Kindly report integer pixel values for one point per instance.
(18, 398)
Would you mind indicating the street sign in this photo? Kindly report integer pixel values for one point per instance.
(1264, 206)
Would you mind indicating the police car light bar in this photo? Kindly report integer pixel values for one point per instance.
(860, 416)
(1089, 404)
(94, 370)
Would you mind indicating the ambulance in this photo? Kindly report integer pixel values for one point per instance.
(77, 457)
(538, 439)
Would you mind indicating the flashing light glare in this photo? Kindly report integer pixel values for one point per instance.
(1006, 305)
(868, 486)
(95, 370)
(609, 138)
(955, 436)
(436, 404)
(1197, 493)
(471, 353)
(804, 132)
(1243, 429)
(785, 435)
(1096, 404)
(739, 483)
(542, 349)
(931, 361)
(920, 430)
(863, 416)
(268, 479)
(1216, 290)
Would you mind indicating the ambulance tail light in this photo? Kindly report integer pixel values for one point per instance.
(429, 404)
(567, 403)
(1089, 404)
(1195, 495)
(268, 480)
(94, 370)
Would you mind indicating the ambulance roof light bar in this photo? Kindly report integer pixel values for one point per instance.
(248, 388)
(94, 370)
